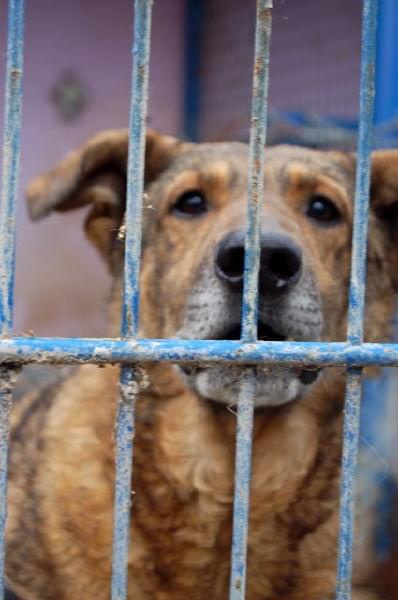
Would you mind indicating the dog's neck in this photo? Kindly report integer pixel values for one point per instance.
(194, 439)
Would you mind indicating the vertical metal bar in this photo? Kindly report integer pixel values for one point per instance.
(258, 128)
(362, 184)
(130, 316)
(9, 189)
(357, 298)
(249, 304)
(11, 152)
(244, 433)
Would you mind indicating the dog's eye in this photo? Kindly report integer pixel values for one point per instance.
(190, 204)
(323, 210)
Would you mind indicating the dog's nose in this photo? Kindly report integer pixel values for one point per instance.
(280, 262)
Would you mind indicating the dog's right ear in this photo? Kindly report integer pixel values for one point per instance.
(95, 175)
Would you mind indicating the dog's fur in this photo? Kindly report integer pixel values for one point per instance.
(62, 441)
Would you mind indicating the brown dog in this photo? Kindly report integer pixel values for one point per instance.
(61, 469)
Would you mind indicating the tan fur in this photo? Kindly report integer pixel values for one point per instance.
(62, 443)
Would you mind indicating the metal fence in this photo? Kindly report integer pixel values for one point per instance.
(354, 354)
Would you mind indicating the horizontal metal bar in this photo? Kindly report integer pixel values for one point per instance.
(21, 350)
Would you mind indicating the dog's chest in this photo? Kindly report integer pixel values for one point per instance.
(183, 504)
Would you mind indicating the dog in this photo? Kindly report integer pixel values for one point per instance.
(61, 471)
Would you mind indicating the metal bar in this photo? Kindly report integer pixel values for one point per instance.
(123, 470)
(130, 312)
(258, 129)
(11, 152)
(108, 350)
(7, 379)
(347, 492)
(362, 184)
(356, 307)
(244, 433)
(249, 303)
(8, 201)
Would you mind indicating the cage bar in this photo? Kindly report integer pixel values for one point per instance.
(11, 153)
(8, 200)
(20, 350)
(244, 431)
(357, 298)
(130, 310)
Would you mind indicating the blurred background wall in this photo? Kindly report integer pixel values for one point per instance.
(76, 82)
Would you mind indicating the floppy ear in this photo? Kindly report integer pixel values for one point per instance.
(95, 175)
(384, 203)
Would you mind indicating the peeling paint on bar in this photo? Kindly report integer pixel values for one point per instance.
(357, 298)
(11, 153)
(244, 433)
(7, 381)
(347, 494)
(362, 184)
(130, 309)
(243, 451)
(258, 130)
(18, 351)
(124, 435)
(9, 190)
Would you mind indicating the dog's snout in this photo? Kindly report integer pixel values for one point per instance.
(280, 262)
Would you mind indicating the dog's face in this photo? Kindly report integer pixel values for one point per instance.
(194, 228)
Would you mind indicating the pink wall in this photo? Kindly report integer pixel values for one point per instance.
(61, 285)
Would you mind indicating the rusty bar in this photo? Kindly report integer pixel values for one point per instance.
(357, 298)
(8, 203)
(130, 316)
(243, 450)
(22, 350)
(11, 153)
(258, 128)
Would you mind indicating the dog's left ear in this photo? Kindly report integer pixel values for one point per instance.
(384, 202)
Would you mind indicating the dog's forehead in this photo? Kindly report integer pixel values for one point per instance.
(279, 161)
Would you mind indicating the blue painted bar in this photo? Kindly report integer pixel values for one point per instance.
(357, 298)
(124, 426)
(258, 128)
(362, 184)
(22, 350)
(244, 435)
(8, 201)
(255, 190)
(11, 153)
(130, 310)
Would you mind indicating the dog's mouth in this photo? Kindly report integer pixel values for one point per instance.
(265, 333)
